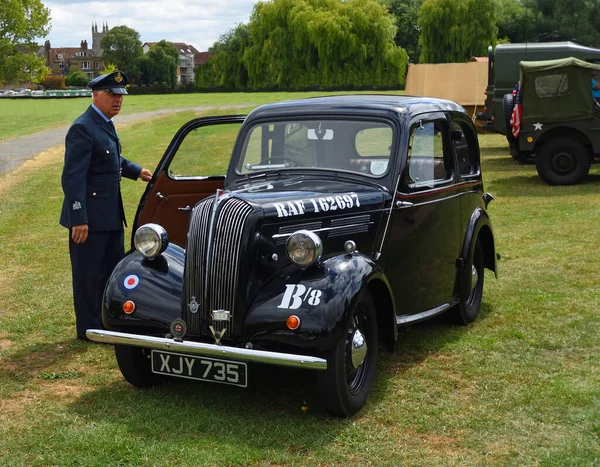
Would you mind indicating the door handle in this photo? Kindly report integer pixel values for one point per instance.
(161, 196)
(187, 208)
(400, 204)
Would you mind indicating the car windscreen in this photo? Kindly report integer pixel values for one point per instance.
(349, 145)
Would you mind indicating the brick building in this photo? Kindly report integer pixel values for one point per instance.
(65, 60)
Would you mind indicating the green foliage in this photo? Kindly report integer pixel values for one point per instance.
(122, 46)
(226, 67)
(406, 13)
(54, 82)
(456, 30)
(21, 21)
(516, 22)
(76, 78)
(108, 68)
(324, 43)
(159, 65)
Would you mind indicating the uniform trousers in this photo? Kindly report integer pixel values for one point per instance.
(92, 263)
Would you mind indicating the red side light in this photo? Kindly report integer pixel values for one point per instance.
(293, 322)
(128, 307)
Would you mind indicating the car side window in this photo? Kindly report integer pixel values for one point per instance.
(465, 144)
(427, 165)
(204, 151)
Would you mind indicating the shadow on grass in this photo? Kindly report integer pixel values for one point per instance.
(527, 183)
(269, 413)
(28, 363)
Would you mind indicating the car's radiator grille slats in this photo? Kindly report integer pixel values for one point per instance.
(225, 261)
(222, 266)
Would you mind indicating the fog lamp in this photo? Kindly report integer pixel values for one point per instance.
(304, 248)
(151, 240)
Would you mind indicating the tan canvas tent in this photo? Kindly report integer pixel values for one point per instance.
(463, 83)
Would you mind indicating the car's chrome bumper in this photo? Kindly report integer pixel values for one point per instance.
(207, 350)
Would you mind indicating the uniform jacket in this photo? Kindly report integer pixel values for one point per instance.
(92, 174)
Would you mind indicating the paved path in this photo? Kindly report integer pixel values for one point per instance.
(14, 152)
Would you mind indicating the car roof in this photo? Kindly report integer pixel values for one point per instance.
(357, 103)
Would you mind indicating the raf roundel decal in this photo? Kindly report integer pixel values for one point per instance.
(131, 281)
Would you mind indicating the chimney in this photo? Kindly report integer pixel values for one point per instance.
(84, 45)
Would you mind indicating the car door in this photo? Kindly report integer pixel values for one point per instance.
(191, 169)
(423, 238)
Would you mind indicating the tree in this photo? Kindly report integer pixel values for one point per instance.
(159, 65)
(226, 65)
(21, 21)
(324, 43)
(516, 22)
(406, 13)
(122, 46)
(456, 30)
(76, 78)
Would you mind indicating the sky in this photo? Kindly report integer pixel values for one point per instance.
(196, 22)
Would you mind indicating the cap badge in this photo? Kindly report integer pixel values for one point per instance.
(118, 78)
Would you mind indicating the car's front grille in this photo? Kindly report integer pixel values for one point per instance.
(212, 262)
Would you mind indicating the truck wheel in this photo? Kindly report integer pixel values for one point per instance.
(562, 162)
(470, 289)
(507, 107)
(135, 365)
(346, 383)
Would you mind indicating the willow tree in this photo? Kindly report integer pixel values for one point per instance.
(456, 30)
(323, 43)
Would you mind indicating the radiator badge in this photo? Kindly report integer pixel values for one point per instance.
(193, 305)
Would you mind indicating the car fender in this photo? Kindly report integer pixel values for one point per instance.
(479, 227)
(320, 296)
(155, 287)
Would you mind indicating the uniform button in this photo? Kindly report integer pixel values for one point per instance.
(94, 194)
(107, 151)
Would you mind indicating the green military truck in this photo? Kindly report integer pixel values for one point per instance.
(503, 74)
(556, 120)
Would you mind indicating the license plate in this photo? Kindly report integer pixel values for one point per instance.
(200, 368)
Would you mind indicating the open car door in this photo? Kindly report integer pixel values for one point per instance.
(191, 169)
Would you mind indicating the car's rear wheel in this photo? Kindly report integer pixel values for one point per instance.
(135, 365)
(345, 385)
(471, 288)
(562, 162)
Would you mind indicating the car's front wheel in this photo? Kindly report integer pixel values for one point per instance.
(562, 162)
(471, 288)
(345, 385)
(135, 365)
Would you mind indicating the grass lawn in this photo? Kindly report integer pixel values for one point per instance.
(20, 117)
(520, 386)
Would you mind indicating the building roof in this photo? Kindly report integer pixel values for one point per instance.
(200, 58)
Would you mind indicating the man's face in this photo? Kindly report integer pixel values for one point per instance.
(108, 103)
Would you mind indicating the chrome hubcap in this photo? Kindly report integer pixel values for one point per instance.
(359, 349)
(474, 277)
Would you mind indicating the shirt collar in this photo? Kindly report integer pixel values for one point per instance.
(101, 114)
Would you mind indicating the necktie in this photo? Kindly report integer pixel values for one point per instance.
(112, 125)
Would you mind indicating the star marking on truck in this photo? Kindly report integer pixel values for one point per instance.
(537, 126)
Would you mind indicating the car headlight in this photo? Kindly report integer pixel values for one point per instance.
(151, 240)
(304, 248)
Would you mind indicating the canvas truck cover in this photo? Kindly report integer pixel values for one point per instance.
(463, 83)
(557, 90)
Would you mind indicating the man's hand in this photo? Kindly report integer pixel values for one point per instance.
(145, 175)
(79, 233)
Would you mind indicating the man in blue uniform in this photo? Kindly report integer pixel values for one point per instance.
(93, 209)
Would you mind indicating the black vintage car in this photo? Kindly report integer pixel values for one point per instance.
(339, 220)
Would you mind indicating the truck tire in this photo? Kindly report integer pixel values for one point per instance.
(562, 161)
(507, 107)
